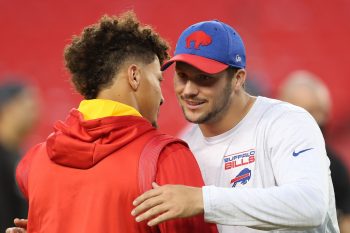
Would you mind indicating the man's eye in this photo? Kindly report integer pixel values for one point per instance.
(204, 77)
(181, 75)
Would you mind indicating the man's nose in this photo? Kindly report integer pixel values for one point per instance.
(190, 89)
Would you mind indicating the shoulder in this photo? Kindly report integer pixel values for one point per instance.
(190, 133)
(27, 159)
(164, 145)
(176, 148)
(177, 165)
(274, 111)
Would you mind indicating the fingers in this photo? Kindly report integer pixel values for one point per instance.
(154, 211)
(145, 196)
(149, 203)
(21, 226)
(149, 194)
(15, 230)
(161, 218)
(155, 185)
(22, 223)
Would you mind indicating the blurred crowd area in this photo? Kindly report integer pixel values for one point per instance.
(19, 113)
(296, 51)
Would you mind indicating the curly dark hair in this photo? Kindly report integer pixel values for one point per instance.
(94, 57)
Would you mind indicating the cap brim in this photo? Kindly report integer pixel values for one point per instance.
(204, 64)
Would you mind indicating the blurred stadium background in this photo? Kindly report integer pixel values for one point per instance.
(280, 36)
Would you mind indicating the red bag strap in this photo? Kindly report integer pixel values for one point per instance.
(149, 158)
(148, 162)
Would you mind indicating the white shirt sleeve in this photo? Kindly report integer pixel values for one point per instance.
(300, 198)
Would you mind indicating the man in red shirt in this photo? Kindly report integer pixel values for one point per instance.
(84, 177)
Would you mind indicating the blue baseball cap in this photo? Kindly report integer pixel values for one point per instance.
(210, 46)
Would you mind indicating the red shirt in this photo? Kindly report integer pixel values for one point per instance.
(86, 175)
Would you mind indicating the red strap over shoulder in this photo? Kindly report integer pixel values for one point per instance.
(149, 158)
(148, 162)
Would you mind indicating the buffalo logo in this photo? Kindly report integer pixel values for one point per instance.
(199, 38)
(243, 177)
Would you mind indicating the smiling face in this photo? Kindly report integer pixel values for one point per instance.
(204, 98)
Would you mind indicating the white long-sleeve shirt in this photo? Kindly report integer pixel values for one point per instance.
(269, 172)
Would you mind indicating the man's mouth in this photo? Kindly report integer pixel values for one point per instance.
(193, 104)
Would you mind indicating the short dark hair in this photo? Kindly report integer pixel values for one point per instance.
(94, 57)
(231, 71)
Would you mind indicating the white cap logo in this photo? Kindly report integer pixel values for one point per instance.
(238, 58)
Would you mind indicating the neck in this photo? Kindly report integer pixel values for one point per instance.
(238, 109)
(120, 92)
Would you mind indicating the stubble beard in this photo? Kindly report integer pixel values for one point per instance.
(220, 108)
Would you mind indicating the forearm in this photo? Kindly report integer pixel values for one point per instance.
(288, 206)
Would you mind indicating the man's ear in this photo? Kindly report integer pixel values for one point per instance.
(239, 79)
(134, 76)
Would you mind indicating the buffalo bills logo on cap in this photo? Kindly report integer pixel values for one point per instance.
(210, 46)
(200, 38)
(243, 177)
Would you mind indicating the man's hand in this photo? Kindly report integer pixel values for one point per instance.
(21, 226)
(168, 202)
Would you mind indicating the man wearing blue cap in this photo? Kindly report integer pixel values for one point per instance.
(263, 161)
